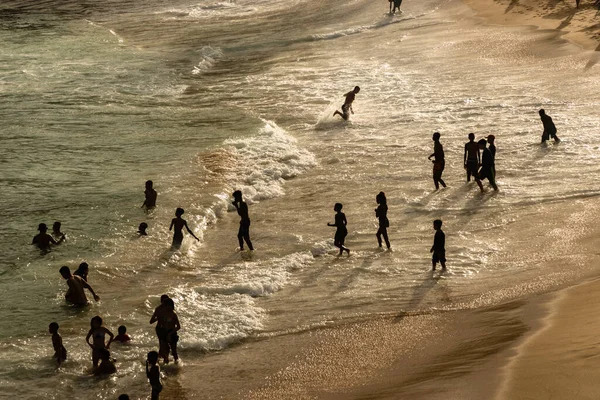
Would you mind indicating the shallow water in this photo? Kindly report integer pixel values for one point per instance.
(207, 97)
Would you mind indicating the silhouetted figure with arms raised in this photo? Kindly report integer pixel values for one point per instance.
(76, 284)
(439, 162)
(342, 231)
(150, 193)
(384, 223)
(487, 165)
(242, 210)
(347, 106)
(549, 127)
(179, 223)
(438, 249)
(43, 241)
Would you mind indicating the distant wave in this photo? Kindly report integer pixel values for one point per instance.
(208, 57)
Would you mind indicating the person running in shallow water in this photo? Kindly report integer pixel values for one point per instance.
(487, 165)
(43, 241)
(384, 223)
(179, 223)
(348, 104)
(242, 210)
(439, 163)
(549, 127)
(151, 195)
(342, 231)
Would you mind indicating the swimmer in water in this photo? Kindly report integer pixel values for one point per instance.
(150, 193)
(179, 223)
(348, 104)
(76, 284)
(142, 229)
(342, 231)
(43, 241)
(56, 233)
(242, 210)
(82, 271)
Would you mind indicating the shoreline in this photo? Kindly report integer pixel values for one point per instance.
(578, 26)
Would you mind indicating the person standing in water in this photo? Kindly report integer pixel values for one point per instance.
(549, 127)
(56, 233)
(491, 139)
(438, 250)
(487, 165)
(397, 4)
(98, 334)
(242, 210)
(384, 223)
(342, 231)
(439, 163)
(60, 353)
(153, 374)
(43, 241)
(76, 284)
(472, 157)
(151, 195)
(179, 223)
(347, 106)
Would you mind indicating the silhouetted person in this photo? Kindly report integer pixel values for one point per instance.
(153, 374)
(179, 223)
(242, 210)
(439, 163)
(169, 338)
(56, 233)
(342, 231)
(123, 397)
(397, 4)
(487, 165)
(76, 284)
(122, 337)
(438, 249)
(60, 353)
(472, 157)
(158, 316)
(384, 223)
(347, 106)
(98, 334)
(82, 271)
(491, 139)
(42, 240)
(107, 366)
(549, 127)
(142, 229)
(150, 193)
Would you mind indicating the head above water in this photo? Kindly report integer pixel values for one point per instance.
(104, 354)
(53, 327)
(122, 330)
(237, 195)
(471, 136)
(143, 226)
(83, 267)
(381, 198)
(482, 143)
(179, 212)
(43, 228)
(65, 272)
(338, 207)
(96, 322)
(149, 184)
(437, 224)
(56, 226)
(356, 89)
(436, 136)
(542, 112)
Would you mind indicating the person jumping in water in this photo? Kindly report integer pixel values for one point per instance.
(384, 223)
(242, 210)
(179, 223)
(348, 104)
(487, 165)
(549, 127)
(342, 231)
(438, 163)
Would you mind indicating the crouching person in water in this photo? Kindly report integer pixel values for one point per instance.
(342, 231)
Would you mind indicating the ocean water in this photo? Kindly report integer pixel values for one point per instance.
(207, 97)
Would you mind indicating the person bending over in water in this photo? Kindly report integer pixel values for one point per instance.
(242, 210)
(153, 374)
(439, 163)
(487, 165)
(179, 223)
(549, 127)
(142, 229)
(43, 241)
(438, 249)
(150, 193)
(384, 223)
(82, 271)
(75, 293)
(107, 366)
(342, 231)
(60, 353)
(348, 104)
(98, 334)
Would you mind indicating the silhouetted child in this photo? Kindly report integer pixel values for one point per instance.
(549, 127)
(42, 240)
(98, 334)
(56, 233)
(151, 195)
(439, 245)
(487, 165)
(439, 163)
(242, 210)
(179, 223)
(153, 374)
(82, 271)
(122, 337)
(123, 397)
(60, 353)
(142, 229)
(384, 223)
(107, 366)
(342, 231)
(347, 106)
